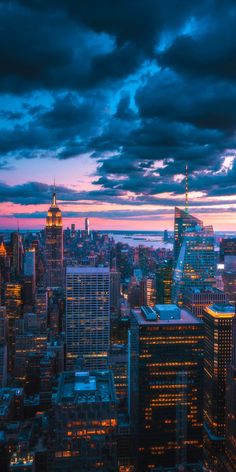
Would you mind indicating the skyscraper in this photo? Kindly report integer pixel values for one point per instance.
(87, 230)
(195, 266)
(183, 222)
(13, 296)
(29, 263)
(17, 252)
(166, 387)
(87, 316)
(230, 436)
(164, 281)
(218, 343)
(54, 246)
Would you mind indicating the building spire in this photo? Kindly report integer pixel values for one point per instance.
(186, 188)
(54, 198)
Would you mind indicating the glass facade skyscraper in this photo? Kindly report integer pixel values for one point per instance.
(195, 266)
(183, 222)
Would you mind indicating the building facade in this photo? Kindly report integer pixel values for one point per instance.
(217, 357)
(166, 390)
(87, 316)
(54, 245)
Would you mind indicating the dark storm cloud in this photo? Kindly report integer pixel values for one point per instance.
(33, 193)
(210, 52)
(131, 83)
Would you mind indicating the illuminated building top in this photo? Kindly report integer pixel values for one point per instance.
(221, 311)
(54, 217)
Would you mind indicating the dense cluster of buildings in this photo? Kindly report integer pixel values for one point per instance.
(116, 358)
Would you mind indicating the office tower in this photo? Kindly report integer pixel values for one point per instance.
(13, 301)
(3, 346)
(57, 346)
(165, 236)
(87, 316)
(3, 325)
(183, 222)
(230, 436)
(147, 291)
(41, 301)
(164, 282)
(229, 281)
(196, 299)
(227, 248)
(133, 294)
(114, 289)
(3, 365)
(195, 266)
(72, 230)
(54, 246)
(4, 269)
(27, 344)
(166, 390)
(85, 422)
(118, 363)
(35, 246)
(47, 373)
(29, 265)
(217, 357)
(17, 254)
(28, 292)
(86, 227)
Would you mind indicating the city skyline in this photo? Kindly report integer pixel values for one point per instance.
(116, 129)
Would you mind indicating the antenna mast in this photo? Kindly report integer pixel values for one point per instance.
(186, 188)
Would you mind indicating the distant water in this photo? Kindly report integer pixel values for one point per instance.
(143, 238)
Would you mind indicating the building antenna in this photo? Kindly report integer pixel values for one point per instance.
(186, 188)
(54, 193)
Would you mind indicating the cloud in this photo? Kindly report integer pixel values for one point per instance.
(141, 88)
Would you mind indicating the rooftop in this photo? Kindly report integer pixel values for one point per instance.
(85, 387)
(209, 289)
(165, 315)
(87, 270)
(221, 311)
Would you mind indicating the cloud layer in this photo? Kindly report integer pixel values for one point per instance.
(139, 87)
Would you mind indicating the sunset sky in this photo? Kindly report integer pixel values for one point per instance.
(111, 98)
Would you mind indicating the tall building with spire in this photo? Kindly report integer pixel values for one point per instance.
(195, 266)
(54, 245)
(183, 221)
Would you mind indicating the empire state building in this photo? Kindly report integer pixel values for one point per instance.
(54, 245)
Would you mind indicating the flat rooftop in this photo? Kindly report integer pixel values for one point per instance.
(196, 290)
(185, 316)
(221, 311)
(87, 270)
(85, 387)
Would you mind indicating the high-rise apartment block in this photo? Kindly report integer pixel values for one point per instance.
(87, 316)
